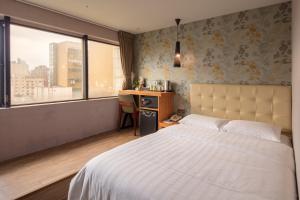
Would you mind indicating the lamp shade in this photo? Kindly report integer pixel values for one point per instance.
(177, 55)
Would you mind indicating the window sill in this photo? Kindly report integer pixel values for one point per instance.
(59, 102)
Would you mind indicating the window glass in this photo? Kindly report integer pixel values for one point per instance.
(45, 66)
(105, 71)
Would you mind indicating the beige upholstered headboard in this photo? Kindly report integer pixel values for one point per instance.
(264, 103)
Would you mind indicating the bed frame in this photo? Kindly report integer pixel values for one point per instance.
(263, 103)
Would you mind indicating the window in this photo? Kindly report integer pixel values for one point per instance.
(49, 67)
(45, 66)
(104, 72)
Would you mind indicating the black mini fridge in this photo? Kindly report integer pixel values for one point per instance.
(148, 122)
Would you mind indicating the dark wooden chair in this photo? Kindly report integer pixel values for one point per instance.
(127, 107)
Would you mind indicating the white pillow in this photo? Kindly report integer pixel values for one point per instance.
(256, 129)
(203, 121)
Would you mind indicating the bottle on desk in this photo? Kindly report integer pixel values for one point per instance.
(167, 85)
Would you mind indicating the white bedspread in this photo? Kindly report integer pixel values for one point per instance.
(183, 162)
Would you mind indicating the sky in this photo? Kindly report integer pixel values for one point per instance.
(32, 45)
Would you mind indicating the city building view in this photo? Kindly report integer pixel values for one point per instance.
(59, 76)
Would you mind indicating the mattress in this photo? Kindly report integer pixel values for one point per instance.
(185, 162)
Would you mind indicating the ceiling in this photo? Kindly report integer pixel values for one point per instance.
(137, 16)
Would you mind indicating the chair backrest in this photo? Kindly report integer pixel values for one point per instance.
(127, 103)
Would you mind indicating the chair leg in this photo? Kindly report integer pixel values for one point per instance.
(131, 120)
(124, 120)
(120, 117)
(135, 122)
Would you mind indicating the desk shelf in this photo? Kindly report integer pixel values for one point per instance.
(165, 102)
(145, 108)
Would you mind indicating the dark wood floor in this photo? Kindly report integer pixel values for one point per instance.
(46, 174)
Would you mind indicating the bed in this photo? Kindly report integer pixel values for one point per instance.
(188, 162)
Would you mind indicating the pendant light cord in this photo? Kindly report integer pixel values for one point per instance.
(177, 23)
(177, 32)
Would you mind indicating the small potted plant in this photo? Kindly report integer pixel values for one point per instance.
(135, 84)
(138, 84)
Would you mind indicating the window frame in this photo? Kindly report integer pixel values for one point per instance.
(5, 82)
(5, 60)
(2, 92)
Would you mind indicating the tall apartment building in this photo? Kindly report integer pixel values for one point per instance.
(42, 72)
(22, 84)
(66, 65)
(25, 86)
(19, 68)
(53, 64)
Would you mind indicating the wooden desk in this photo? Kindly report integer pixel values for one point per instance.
(165, 102)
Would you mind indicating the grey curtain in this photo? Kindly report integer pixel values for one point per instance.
(126, 48)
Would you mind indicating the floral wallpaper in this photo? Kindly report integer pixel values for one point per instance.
(249, 47)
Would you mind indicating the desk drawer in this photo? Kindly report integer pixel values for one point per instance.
(149, 102)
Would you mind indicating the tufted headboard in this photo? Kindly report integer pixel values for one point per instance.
(264, 103)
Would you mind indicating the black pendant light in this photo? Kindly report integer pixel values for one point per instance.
(177, 47)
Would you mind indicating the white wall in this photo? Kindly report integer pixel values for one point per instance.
(28, 129)
(296, 83)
